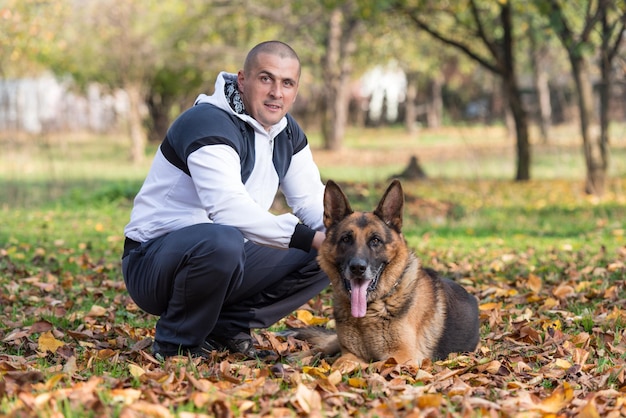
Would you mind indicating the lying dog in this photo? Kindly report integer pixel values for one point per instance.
(385, 303)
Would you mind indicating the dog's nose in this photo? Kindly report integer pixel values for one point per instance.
(358, 266)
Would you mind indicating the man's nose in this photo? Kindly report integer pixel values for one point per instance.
(276, 91)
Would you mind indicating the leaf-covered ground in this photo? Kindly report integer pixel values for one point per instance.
(553, 344)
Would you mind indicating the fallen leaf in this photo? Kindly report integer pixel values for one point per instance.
(308, 399)
(96, 311)
(135, 370)
(47, 343)
(558, 400)
(534, 283)
(309, 319)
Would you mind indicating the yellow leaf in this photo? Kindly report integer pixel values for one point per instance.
(558, 399)
(432, 400)
(615, 314)
(304, 315)
(50, 383)
(135, 370)
(357, 382)
(562, 364)
(556, 324)
(309, 319)
(490, 306)
(589, 410)
(47, 342)
(314, 371)
(550, 303)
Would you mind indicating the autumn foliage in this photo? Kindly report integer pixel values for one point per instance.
(553, 339)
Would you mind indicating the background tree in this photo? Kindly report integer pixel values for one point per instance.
(539, 53)
(484, 31)
(29, 35)
(600, 28)
(159, 53)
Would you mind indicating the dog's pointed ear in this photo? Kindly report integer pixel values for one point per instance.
(336, 205)
(390, 206)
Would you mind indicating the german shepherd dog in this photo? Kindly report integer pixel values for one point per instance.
(385, 304)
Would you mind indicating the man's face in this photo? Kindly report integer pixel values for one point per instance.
(270, 88)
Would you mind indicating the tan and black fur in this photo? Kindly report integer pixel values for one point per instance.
(385, 303)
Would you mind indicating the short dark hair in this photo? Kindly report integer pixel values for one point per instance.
(270, 47)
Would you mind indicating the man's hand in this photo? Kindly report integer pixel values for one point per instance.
(318, 239)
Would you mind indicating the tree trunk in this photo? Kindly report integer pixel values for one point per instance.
(540, 81)
(593, 147)
(410, 113)
(545, 107)
(159, 108)
(135, 123)
(607, 55)
(520, 118)
(434, 110)
(514, 97)
(340, 46)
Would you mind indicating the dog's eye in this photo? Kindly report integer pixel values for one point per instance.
(346, 239)
(375, 242)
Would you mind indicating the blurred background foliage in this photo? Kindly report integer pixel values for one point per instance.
(518, 64)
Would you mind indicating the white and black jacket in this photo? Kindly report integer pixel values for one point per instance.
(219, 165)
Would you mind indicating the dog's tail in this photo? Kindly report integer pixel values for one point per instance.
(321, 339)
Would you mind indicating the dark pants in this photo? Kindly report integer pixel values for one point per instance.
(204, 280)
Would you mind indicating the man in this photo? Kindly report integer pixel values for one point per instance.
(202, 250)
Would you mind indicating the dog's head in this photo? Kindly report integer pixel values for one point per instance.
(360, 246)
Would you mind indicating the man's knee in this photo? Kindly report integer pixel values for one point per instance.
(220, 246)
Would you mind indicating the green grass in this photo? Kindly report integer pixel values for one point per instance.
(77, 190)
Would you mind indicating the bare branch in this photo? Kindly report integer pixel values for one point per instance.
(480, 30)
(449, 41)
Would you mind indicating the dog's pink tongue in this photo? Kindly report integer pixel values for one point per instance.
(359, 298)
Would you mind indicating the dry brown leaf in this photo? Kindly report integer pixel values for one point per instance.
(308, 400)
(564, 291)
(145, 409)
(96, 311)
(534, 283)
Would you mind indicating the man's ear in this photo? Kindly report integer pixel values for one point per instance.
(240, 79)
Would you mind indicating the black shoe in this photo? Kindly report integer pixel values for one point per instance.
(164, 350)
(241, 345)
